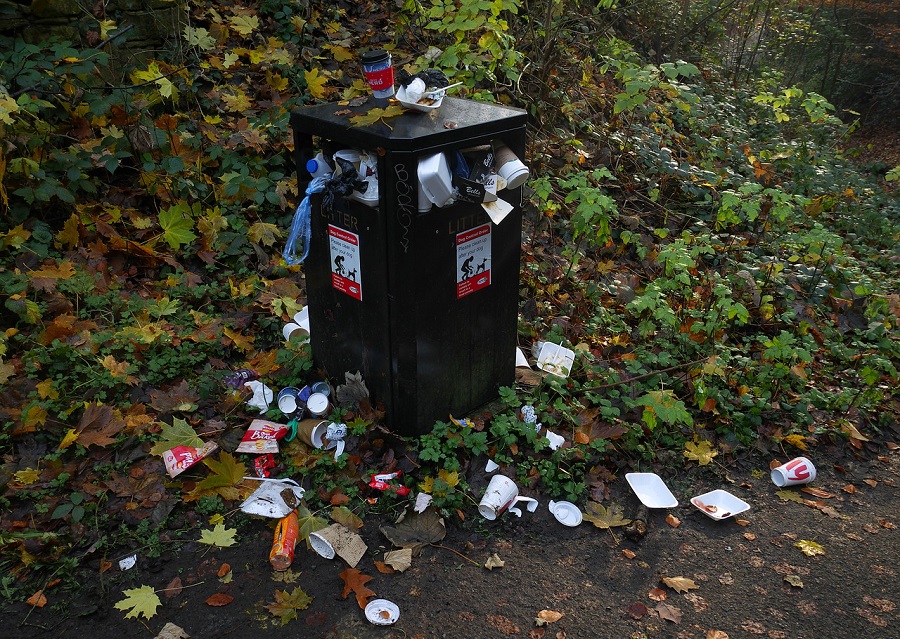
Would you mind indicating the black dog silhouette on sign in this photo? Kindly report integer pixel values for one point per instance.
(352, 275)
(482, 266)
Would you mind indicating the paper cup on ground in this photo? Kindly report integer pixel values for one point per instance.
(318, 404)
(311, 431)
(379, 72)
(288, 400)
(292, 329)
(502, 494)
(797, 471)
(302, 318)
(338, 540)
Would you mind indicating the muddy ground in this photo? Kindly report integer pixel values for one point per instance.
(583, 573)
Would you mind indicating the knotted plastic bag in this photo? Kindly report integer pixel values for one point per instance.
(301, 229)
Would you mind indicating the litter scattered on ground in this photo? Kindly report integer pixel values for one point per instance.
(719, 504)
(272, 498)
(382, 612)
(566, 513)
(651, 490)
(797, 471)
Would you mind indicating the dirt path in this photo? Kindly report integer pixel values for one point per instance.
(740, 573)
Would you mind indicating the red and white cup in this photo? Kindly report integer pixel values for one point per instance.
(502, 494)
(797, 471)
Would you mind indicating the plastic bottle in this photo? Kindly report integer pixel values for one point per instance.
(317, 166)
(286, 533)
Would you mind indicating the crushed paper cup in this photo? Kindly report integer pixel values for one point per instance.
(338, 540)
(268, 500)
(382, 612)
(180, 458)
(263, 396)
(422, 502)
(262, 437)
(555, 440)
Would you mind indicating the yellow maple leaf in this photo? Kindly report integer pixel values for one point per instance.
(68, 440)
(244, 288)
(341, 54)
(69, 236)
(7, 371)
(236, 101)
(62, 271)
(264, 233)
(810, 548)
(27, 477)
(47, 390)
(796, 440)
(452, 479)
(241, 341)
(315, 83)
(245, 25)
(276, 82)
(105, 27)
(230, 60)
(35, 416)
(115, 368)
(427, 486)
(700, 452)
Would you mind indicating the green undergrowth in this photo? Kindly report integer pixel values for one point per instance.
(725, 275)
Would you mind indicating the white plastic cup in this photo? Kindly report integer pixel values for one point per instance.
(797, 471)
(508, 166)
(502, 494)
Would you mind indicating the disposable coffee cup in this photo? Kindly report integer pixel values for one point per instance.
(318, 404)
(292, 329)
(321, 387)
(288, 400)
(379, 72)
(311, 432)
(338, 540)
(508, 166)
(501, 495)
(797, 471)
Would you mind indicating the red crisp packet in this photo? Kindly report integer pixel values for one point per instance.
(180, 458)
(380, 482)
(262, 437)
(262, 464)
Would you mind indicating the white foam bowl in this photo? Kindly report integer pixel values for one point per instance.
(651, 490)
(415, 106)
(719, 504)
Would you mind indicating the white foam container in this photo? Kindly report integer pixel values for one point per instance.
(719, 504)
(434, 176)
(651, 490)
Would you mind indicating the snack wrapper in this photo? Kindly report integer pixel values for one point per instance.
(262, 437)
(180, 458)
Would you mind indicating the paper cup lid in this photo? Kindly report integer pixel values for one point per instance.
(566, 513)
(382, 612)
(317, 403)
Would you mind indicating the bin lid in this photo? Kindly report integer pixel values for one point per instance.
(458, 120)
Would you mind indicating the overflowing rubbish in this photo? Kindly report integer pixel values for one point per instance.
(555, 359)
(263, 396)
(236, 379)
(301, 225)
(286, 534)
(797, 471)
(289, 400)
(383, 482)
(651, 490)
(565, 513)
(274, 498)
(379, 71)
(263, 464)
(423, 500)
(502, 494)
(719, 504)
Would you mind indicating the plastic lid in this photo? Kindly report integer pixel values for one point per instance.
(312, 165)
(382, 612)
(377, 55)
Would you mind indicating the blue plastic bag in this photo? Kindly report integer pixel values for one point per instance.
(301, 229)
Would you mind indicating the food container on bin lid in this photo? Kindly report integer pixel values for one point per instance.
(434, 175)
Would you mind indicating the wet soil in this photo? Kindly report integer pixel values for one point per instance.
(583, 573)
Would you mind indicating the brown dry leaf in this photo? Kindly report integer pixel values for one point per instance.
(536, 633)
(680, 584)
(891, 446)
(181, 398)
(383, 568)
(716, 634)
(742, 522)
(503, 624)
(870, 482)
(884, 523)
(38, 600)
(219, 599)
(817, 492)
(630, 554)
(794, 580)
(753, 627)
(668, 612)
(657, 594)
(99, 425)
(637, 610)
(726, 579)
(548, 616)
(399, 560)
(849, 489)
(356, 582)
(869, 528)
(749, 536)
(673, 521)
(173, 589)
(224, 569)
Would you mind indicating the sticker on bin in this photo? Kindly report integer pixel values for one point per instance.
(346, 274)
(473, 260)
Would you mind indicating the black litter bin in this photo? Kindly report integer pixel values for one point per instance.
(423, 304)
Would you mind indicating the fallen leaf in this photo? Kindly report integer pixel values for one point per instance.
(716, 634)
(219, 599)
(789, 495)
(701, 452)
(749, 536)
(796, 440)
(494, 561)
(179, 433)
(549, 616)
(742, 522)
(726, 579)
(38, 600)
(668, 612)
(817, 492)
(285, 576)
(219, 536)
(141, 601)
(224, 569)
(171, 631)
(347, 518)
(637, 610)
(602, 517)
(870, 482)
(673, 521)
(383, 568)
(657, 594)
(173, 589)
(399, 560)
(416, 529)
(630, 554)
(884, 523)
(355, 581)
(849, 488)
(810, 548)
(794, 580)
(869, 528)
(680, 584)
(286, 605)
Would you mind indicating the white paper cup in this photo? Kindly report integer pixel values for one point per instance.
(318, 404)
(509, 166)
(292, 329)
(288, 402)
(502, 494)
(797, 471)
